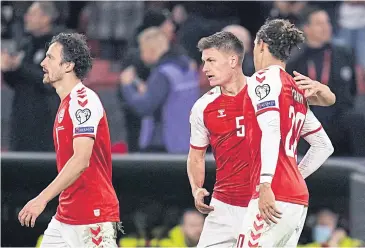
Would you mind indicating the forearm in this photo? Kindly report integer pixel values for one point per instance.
(320, 149)
(270, 143)
(68, 175)
(196, 173)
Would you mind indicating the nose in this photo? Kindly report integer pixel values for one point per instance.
(205, 68)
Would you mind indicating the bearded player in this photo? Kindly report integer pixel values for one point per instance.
(277, 114)
(217, 120)
(88, 210)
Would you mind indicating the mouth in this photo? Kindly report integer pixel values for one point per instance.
(210, 77)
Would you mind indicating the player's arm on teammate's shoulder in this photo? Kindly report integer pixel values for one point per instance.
(199, 141)
(316, 93)
(264, 90)
(320, 145)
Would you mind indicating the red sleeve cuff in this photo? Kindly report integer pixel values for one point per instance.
(198, 147)
(266, 110)
(311, 132)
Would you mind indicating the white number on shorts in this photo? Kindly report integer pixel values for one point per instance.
(291, 141)
(57, 139)
(240, 127)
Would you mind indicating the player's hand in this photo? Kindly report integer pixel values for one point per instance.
(30, 212)
(310, 87)
(199, 195)
(267, 207)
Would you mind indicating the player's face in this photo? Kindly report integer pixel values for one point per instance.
(52, 65)
(258, 54)
(217, 66)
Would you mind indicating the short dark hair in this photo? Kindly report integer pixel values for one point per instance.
(223, 41)
(281, 36)
(307, 13)
(75, 49)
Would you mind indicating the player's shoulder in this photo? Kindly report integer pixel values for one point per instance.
(84, 96)
(206, 99)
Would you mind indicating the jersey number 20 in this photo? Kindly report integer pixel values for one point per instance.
(291, 141)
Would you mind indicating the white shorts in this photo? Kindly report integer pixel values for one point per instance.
(286, 233)
(59, 235)
(221, 226)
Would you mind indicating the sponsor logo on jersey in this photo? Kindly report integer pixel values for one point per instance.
(266, 104)
(79, 130)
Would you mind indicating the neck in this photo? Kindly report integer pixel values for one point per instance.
(235, 85)
(314, 44)
(65, 86)
(273, 61)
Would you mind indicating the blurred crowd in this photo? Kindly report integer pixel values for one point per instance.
(147, 71)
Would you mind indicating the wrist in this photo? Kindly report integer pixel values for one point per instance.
(195, 191)
(266, 178)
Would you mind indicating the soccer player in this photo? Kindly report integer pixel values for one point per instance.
(88, 210)
(217, 120)
(277, 114)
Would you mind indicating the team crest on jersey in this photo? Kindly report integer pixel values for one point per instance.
(61, 114)
(262, 91)
(221, 113)
(82, 115)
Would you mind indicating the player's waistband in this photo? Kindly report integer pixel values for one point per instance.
(239, 201)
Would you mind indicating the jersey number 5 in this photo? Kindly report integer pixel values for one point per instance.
(292, 138)
(240, 127)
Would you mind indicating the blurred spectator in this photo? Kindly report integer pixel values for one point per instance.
(113, 24)
(153, 18)
(186, 234)
(352, 27)
(334, 66)
(34, 104)
(326, 233)
(244, 35)
(286, 9)
(166, 99)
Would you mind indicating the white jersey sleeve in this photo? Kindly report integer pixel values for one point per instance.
(320, 145)
(86, 112)
(264, 89)
(199, 135)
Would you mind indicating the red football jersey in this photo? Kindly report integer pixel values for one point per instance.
(91, 198)
(273, 89)
(217, 119)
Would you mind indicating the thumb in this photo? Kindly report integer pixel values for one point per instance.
(206, 193)
(296, 73)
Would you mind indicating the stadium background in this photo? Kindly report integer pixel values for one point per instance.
(152, 183)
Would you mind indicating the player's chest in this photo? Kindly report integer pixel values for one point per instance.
(224, 119)
(62, 129)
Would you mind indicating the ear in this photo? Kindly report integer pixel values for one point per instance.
(261, 45)
(69, 67)
(233, 61)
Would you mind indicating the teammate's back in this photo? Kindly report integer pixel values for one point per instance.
(272, 89)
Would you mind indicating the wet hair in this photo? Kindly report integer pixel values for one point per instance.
(75, 49)
(223, 41)
(281, 36)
